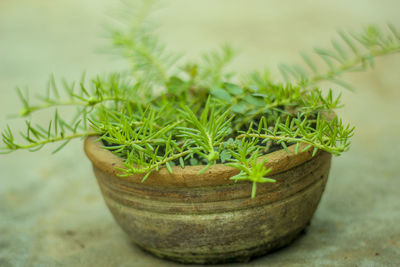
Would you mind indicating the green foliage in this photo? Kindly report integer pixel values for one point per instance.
(206, 133)
(320, 133)
(166, 113)
(349, 53)
(246, 157)
(134, 39)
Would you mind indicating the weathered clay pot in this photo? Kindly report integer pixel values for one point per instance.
(208, 218)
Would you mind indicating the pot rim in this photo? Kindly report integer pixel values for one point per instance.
(219, 174)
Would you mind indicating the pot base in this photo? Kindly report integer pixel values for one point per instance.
(242, 256)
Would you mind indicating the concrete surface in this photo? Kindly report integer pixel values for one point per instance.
(51, 210)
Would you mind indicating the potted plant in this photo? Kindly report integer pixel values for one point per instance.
(201, 165)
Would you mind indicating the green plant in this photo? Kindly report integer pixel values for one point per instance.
(219, 119)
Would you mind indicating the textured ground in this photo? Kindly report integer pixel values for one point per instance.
(51, 211)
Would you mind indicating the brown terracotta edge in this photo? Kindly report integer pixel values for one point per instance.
(218, 174)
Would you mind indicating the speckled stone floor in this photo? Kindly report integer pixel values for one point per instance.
(51, 210)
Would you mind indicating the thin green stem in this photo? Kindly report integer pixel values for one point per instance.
(331, 149)
(53, 140)
(89, 103)
(157, 164)
(346, 66)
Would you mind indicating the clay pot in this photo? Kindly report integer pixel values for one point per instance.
(208, 218)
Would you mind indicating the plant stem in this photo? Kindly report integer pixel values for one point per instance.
(330, 149)
(156, 165)
(350, 64)
(53, 140)
(88, 103)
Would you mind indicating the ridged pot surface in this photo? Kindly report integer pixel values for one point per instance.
(208, 218)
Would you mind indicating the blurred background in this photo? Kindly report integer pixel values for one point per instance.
(51, 210)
